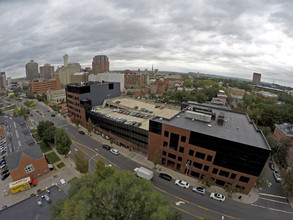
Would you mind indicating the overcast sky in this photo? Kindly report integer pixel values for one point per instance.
(223, 37)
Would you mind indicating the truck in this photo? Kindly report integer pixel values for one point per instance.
(22, 184)
(144, 173)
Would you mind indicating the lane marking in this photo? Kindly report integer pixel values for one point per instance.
(272, 209)
(271, 200)
(201, 207)
(271, 195)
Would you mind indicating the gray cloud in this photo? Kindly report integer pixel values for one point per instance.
(233, 38)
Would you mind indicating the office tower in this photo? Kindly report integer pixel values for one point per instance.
(31, 70)
(3, 82)
(100, 64)
(256, 78)
(47, 71)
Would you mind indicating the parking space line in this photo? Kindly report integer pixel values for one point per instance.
(272, 209)
(271, 195)
(271, 200)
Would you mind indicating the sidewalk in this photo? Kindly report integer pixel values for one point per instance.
(141, 159)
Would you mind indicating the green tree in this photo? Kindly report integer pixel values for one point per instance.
(22, 111)
(231, 189)
(42, 127)
(207, 181)
(101, 170)
(62, 141)
(282, 150)
(90, 126)
(262, 182)
(129, 93)
(120, 196)
(156, 158)
(287, 181)
(76, 121)
(49, 134)
(81, 163)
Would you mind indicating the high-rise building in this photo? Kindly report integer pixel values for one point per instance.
(100, 64)
(3, 82)
(31, 70)
(41, 86)
(256, 78)
(47, 71)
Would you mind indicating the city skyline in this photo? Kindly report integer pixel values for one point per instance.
(219, 37)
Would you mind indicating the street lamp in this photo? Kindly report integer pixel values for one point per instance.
(187, 166)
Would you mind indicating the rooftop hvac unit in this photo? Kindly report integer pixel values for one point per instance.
(198, 116)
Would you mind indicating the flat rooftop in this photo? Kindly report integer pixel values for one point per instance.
(236, 126)
(149, 110)
(286, 128)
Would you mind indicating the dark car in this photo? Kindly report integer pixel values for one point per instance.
(53, 115)
(4, 171)
(107, 147)
(4, 176)
(3, 162)
(81, 132)
(272, 166)
(165, 176)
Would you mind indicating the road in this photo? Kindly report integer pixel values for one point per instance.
(271, 206)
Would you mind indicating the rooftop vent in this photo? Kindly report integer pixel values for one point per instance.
(221, 118)
(198, 116)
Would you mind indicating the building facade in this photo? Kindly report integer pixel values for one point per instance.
(210, 141)
(56, 97)
(132, 79)
(42, 86)
(3, 82)
(83, 96)
(32, 70)
(79, 77)
(65, 72)
(256, 78)
(47, 71)
(108, 77)
(100, 64)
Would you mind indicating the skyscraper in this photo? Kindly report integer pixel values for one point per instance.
(256, 78)
(31, 70)
(100, 64)
(47, 71)
(3, 82)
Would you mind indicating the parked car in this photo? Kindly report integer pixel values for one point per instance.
(217, 196)
(165, 176)
(2, 162)
(62, 182)
(182, 184)
(107, 147)
(272, 166)
(277, 176)
(4, 171)
(81, 132)
(39, 202)
(4, 176)
(199, 190)
(47, 198)
(114, 151)
(3, 167)
(53, 115)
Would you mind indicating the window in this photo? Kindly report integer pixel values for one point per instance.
(163, 161)
(111, 86)
(191, 152)
(244, 179)
(215, 170)
(165, 144)
(233, 175)
(240, 187)
(200, 155)
(164, 153)
(183, 139)
(195, 174)
(174, 139)
(179, 158)
(220, 182)
(181, 149)
(206, 168)
(209, 158)
(155, 127)
(197, 165)
(224, 173)
(166, 133)
(29, 168)
(173, 156)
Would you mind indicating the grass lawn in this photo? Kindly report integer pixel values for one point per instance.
(52, 157)
(60, 165)
(37, 137)
(45, 147)
(34, 131)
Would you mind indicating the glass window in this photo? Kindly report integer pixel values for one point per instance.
(181, 149)
(164, 153)
(183, 139)
(209, 158)
(244, 179)
(233, 175)
(215, 170)
(206, 168)
(29, 168)
(174, 140)
(191, 152)
(179, 158)
(197, 165)
(165, 143)
(224, 173)
(173, 156)
(200, 155)
(220, 182)
(166, 133)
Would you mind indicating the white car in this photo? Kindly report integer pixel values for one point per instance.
(114, 151)
(182, 184)
(199, 190)
(218, 196)
(277, 176)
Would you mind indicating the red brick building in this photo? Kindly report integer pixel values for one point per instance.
(42, 86)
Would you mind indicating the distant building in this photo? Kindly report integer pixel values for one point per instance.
(65, 72)
(132, 79)
(3, 82)
(236, 93)
(82, 96)
(100, 64)
(25, 157)
(32, 70)
(79, 77)
(56, 97)
(256, 78)
(108, 77)
(42, 86)
(47, 71)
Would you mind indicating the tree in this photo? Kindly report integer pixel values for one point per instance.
(62, 141)
(156, 158)
(282, 150)
(43, 126)
(89, 126)
(22, 112)
(81, 163)
(101, 170)
(207, 181)
(49, 134)
(76, 121)
(231, 189)
(287, 181)
(262, 182)
(120, 196)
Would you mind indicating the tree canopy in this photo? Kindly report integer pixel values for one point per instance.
(62, 141)
(43, 126)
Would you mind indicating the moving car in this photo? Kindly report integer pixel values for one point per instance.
(272, 166)
(199, 190)
(217, 196)
(277, 176)
(114, 151)
(81, 132)
(165, 176)
(182, 184)
(107, 147)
